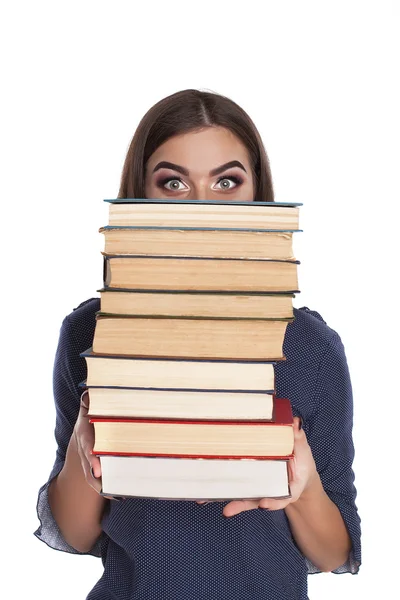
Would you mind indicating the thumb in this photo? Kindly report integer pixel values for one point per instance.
(95, 466)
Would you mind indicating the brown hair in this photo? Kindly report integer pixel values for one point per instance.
(185, 111)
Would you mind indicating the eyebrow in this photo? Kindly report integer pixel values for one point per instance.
(168, 165)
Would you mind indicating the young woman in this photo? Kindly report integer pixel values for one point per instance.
(198, 145)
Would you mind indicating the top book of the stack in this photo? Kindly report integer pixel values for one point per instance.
(171, 213)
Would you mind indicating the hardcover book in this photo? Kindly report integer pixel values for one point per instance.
(180, 404)
(207, 243)
(251, 339)
(199, 213)
(194, 374)
(198, 439)
(191, 479)
(201, 274)
(195, 304)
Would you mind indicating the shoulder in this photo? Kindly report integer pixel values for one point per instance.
(311, 341)
(76, 336)
(310, 333)
(312, 322)
(84, 313)
(313, 351)
(78, 327)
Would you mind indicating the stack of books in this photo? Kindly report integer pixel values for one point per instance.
(196, 300)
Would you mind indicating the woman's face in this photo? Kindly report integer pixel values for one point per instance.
(210, 164)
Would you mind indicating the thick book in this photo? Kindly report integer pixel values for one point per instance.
(251, 339)
(180, 404)
(194, 304)
(191, 479)
(198, 439)
(200, 213)
(201, 274)
(178, 374)
(207, 243)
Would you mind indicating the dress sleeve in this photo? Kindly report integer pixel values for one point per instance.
(329, 434)
(69, 370)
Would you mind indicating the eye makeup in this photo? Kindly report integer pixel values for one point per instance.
(162, 182)
(236, 180)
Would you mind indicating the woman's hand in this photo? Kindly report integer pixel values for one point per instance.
(302, 472)
(84, 438)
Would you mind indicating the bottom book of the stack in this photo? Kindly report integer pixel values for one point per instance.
(193, 479)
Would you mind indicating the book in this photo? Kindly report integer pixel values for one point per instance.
(191, 479)
(195, 304)
(207, 243)
(191, 273)
(180, 404)
(195, 374)
(213, 214)
(190, 304)
(251, 339)
(198, 439)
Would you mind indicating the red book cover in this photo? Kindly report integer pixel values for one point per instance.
(282, 416)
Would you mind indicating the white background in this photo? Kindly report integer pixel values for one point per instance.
(319, 80)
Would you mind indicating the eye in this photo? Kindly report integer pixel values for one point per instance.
(172, 184)
(229, 183)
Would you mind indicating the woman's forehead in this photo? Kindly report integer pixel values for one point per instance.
(201, 150)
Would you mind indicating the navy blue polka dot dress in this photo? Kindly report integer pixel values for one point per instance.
(178, 550)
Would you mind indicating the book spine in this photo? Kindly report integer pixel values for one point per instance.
(198, 202)
(197, 456)
(184, 228)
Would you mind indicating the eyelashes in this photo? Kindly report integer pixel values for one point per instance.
(162, 183)
(233, 178)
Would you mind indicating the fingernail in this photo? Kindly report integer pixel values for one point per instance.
(92, 473)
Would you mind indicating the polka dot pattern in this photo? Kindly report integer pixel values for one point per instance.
(157, 549)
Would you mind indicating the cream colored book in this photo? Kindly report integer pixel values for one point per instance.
(180, 404)
(231, 339)
(200, 274)
(208, 243)
(191, 213)
(195, 374)
(194, 304)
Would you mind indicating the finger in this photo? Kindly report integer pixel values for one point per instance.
(94, 477)
(298, 432)
(86, 447)
(90, 475)
(274, 503)
(95, 466)
(92, 472)
(84, 401)
(115, 498)
(237, 506)
(297, 427)
(90, 462)
(94, 483)
(292, 472)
